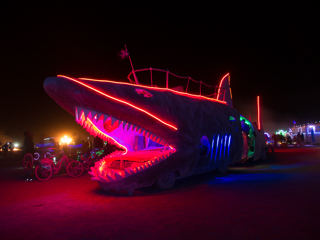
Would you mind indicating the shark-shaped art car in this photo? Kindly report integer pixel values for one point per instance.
(162, 133)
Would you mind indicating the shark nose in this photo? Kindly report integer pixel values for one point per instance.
(50, 84)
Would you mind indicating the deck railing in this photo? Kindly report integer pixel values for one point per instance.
(214, 95)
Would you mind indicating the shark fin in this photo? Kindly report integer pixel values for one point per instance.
(224, 91)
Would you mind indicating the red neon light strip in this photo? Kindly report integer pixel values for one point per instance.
(118, 100)
(96, 128)
(220, 85)
(155, 88)
(258, 104)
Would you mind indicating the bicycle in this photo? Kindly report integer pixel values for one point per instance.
(75, 168)
(49, 166)
(27, 162)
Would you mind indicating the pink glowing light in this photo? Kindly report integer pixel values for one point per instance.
(119, 100)
(89, 125)
(97, 129)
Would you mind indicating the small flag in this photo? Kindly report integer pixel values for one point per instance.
(124, 53)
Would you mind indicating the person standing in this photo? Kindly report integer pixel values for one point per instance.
(28, 147)
(28, 144)
(11, 147)
(302, 138)
(98, 142)
(5, 148)
(312, 136)
(298, 139)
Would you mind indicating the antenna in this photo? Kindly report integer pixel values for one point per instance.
(134, 74)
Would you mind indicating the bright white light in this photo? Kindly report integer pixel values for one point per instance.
(66, 140)
(16, 145)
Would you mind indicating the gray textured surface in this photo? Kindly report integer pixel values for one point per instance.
(194, 117)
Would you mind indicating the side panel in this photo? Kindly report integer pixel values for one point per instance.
(221, 142)
(260, 144)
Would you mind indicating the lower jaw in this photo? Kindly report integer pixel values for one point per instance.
(113, 169)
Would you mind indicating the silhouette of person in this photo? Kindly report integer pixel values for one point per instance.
(98, 142)
(5, 148)
(302, 138)
(245, 127)
(28, 147)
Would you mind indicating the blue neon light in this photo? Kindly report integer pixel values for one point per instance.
(212, 145)
(217, 147)
(224, 148)
(229, 145)
(221, 148)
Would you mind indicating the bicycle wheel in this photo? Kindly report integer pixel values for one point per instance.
(27, 162)
(42, 173)
(74, 169)
(36, 156)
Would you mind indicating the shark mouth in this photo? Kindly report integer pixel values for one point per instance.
(138, 149)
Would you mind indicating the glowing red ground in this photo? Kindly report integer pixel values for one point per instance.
(275, 199)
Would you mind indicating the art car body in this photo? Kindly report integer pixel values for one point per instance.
(163, 134)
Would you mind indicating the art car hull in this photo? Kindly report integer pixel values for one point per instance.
(194, 134)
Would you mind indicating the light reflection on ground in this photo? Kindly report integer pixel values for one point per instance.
(251, 177)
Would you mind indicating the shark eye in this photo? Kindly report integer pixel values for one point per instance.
(143, 93)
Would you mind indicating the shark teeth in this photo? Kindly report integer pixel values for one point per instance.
(103, 173)
(102, 125)
(90, 119)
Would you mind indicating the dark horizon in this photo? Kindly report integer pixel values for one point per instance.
(273, 54)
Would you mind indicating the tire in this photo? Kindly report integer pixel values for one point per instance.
(165, 180)
(42, 173)
(36, 156)
(27, 162)
(223, 168)
(75, 169)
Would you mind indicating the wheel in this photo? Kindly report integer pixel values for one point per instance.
(165, 180)
(27, 162)
(74, 169)
(42, 173)
(36, 156)
(223, 168)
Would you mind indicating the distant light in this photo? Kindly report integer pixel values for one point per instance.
(16, 145)
(281, 132)
(66, 140)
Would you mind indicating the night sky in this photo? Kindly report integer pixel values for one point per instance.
(268, 51)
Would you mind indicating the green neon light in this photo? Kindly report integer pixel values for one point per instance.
(281, 132)
(246, 121)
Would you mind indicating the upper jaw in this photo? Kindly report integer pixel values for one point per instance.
(132, 158)
(113, 130)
